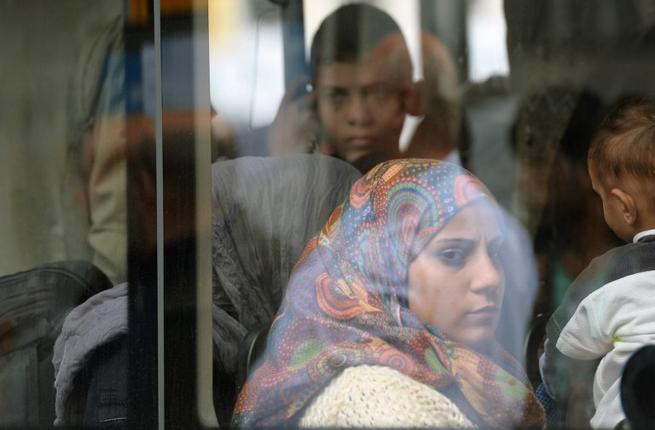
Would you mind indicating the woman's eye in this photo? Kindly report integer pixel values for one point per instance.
(453, 257)
(494, 253)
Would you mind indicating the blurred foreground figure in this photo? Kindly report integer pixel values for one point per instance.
(62, 134)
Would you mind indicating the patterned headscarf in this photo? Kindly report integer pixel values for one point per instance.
(346, 305)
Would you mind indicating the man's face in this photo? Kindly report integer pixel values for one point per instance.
(361, 107)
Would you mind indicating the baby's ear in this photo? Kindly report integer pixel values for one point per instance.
(414, 98)
(628, 205)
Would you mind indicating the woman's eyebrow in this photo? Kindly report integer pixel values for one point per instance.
(459, 241)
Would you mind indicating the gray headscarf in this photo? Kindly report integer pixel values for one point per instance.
(265, 212)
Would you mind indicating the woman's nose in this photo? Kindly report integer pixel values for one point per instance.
(487, 274)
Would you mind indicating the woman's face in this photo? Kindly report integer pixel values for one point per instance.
(456, 283)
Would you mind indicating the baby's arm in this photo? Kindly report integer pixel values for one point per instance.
(571, 349)
(586, 336)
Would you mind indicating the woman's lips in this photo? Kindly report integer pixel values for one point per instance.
(485, 311)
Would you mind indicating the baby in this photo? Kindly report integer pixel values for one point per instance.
(609, 310)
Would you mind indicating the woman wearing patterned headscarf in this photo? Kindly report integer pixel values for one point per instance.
(389, 316)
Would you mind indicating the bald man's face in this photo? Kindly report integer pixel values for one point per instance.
(361, 105)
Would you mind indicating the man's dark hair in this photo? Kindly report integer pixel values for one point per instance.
(349, 34)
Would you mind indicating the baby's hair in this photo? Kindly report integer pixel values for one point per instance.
(624, 144)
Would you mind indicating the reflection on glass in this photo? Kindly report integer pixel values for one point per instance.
(63, 181)
(320, 93)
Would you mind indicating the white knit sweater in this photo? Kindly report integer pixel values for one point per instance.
(377, 396)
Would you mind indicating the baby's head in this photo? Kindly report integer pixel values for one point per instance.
(621, 162)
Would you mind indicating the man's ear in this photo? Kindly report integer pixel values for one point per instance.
(414, 99)
(627, 205)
